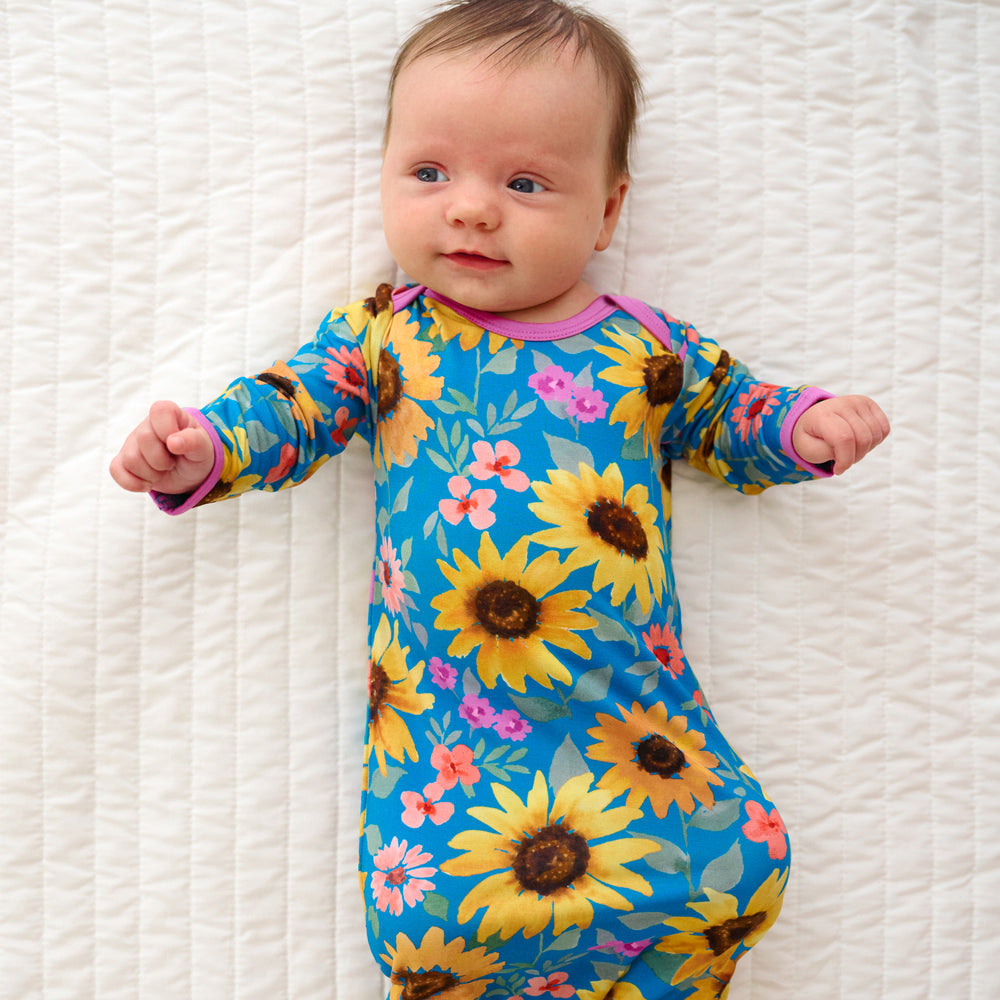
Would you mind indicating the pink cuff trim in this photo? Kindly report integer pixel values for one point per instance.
(178, 503)
(807, 398)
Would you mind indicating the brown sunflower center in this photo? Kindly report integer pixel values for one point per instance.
(420, 985)
(551, 859)
(657, 755)
(663, 375)
(390, 383)
(731, 932)
(378, 687)
(507, 610)
(619, 527)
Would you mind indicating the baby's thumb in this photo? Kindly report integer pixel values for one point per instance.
(192, 443)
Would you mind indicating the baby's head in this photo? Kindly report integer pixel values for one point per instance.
(507, 152)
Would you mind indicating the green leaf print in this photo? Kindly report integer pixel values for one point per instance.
(436, 905)
(539, 709)
(725, 871)
(567, 762)
(569, 455)
(381, 785)
(669, 859)
(593, 685)
(722, 815)
(663, 965)
(642, 921)
(567, 940)
(260, 437)
(503, 362)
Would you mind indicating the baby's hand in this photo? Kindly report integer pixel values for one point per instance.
(169, 452)
(843, 429)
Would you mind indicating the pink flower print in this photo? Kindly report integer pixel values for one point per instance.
(443, 674)
(554, 985)
(285, 462)
(764, 828)
(399, 879)
(511, 726)
(346, 370)
(587, 405)
(426, 806)
(390, 572)
(477, 712)
(554, 383)
(663, 644)
(454, 766)
(476, 504)
(756, 403)
(490, 462)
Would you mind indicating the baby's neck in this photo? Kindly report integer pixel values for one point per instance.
(562, 307)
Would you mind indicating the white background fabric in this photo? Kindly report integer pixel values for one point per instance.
(186, 188)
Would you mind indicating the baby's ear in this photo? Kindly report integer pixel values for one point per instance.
(612, 211)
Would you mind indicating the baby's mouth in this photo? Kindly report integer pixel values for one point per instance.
(476, 261)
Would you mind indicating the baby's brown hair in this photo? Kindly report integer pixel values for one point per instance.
(518, 30)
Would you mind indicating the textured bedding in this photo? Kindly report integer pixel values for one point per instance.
(186, 189)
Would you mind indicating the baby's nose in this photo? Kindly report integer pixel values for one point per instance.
(474, 205)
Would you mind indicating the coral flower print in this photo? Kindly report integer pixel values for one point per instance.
(390, 576)
(499, 461)
(766, 828)
(401, 877)
(663, 644)
(475, 503)
(554, 985)
(758, 402)
(427, 806)
(454, 766)
(346, 370)
(553, 383)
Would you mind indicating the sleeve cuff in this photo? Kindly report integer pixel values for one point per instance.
(178, 503)
(808, 397)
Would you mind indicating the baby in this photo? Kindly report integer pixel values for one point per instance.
(549, 805)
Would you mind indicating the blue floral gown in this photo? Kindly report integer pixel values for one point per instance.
(549, 807)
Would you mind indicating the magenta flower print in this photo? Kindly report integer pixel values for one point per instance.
(766, 828)
(627, 949)
(401, 876)
(346, 370)
(753, 405)
(499, 461)
(443, 674)
(465, 500)
(476, 711)
(587, 405)
(390, 574)
(427, 806)
(454, 766)
(553, 383)
(511, 725)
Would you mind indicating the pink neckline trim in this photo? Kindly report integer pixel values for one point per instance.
(598, 310)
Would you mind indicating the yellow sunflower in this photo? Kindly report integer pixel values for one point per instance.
(655, 375)
(700, 394)
(602, 524)
(437, 969)
(715, 986)
(500, 606)
(550, 865)
(711, 939)
(606, 989)
(392, 689)
(451, 325)
(655, 757)
(404, 377)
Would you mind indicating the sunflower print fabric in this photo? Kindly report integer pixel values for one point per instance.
(550, 808)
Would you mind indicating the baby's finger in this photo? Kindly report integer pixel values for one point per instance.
(126, 478)
(167, 418)
(151, 450)
(845, 444)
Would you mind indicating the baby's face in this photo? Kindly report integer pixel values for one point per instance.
(495, 186)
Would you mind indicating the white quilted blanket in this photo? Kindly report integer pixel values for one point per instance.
(186, 188)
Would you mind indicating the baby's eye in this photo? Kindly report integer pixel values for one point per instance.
(430, 175)
(524, 185)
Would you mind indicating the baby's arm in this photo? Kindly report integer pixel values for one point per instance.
(169, 452)
(842, 429)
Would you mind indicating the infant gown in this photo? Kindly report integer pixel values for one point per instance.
(550, 808)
